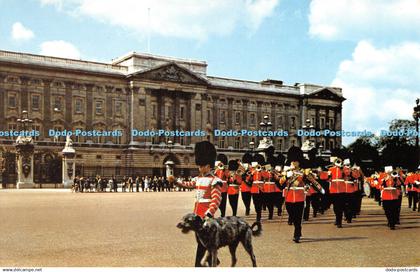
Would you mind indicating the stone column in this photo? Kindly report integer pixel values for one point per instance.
(69, 164)
(25, 162)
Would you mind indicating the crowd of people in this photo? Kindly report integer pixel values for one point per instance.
(125, 184)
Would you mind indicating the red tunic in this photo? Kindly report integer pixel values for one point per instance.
(337, 184)
(257, 182)
(296, 192)
(234, 183)
(208, 194)
(389, 189)
(224, 176)
(245, 187)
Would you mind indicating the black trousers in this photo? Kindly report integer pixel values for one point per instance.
(295, 211)
(269, 199)
(258, 202)
(359, 197)
(378, 196)
(233, 201)
(412, 199)
(278, 202)
(399, 202)
(391, 211)
(222, 206)
(349, 204)
(338, 203)
(246, 199)
(314, 201)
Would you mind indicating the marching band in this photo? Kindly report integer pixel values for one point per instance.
(299, 184)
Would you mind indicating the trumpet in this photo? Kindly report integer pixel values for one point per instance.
(258, 167)
(221, 166)
(241, 170)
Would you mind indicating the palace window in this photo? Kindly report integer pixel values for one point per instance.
(35, 102)
(154, 111)
(11, 101)
(37, 128)
(222, 142)
(252, 119)
(182, 113)
(78, 105)
(331, 121)
(98, 107)
(280, 144)
(292, 122)
(118, 108)
(118, 138)
(12, 127)
(280, 121)
(237, 142)
(222, 117)
(57, 103)
(237, 117)
(322, 123)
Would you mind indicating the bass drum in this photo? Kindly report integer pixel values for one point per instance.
(366, 189)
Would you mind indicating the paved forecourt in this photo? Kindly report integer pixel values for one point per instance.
(58, 228)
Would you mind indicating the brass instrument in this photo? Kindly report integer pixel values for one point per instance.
(258, 168)
(241, 170)
(338, 162)
(395, 174)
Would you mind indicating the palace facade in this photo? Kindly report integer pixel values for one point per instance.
(148, 92)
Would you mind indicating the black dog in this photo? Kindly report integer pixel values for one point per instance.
(224, 231)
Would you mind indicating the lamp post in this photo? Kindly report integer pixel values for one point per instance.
(416, 116)
(169, 163)
(25, 154)
(266, 142)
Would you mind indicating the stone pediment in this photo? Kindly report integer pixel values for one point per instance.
(326, 93)
(170, 72)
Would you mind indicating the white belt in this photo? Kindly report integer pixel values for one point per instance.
(297, 188)
(349, 182)
(269, 182)
(203, 200)
(234, 185)
(337, 180)
(258, 182)
(390, 188)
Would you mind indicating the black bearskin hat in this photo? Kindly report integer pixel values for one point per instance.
(294, 154)
(259, 158)
(205, 153)
(272, 161)
(222, 158)
(247, 158)
(233, 165)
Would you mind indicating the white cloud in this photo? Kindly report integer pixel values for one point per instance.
(60, 48)
(187, 19)
(380, 84)
(21, 33)
(363, 19)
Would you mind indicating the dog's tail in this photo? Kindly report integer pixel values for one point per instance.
(258, 231)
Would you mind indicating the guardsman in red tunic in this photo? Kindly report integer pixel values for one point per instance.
(246, 182)
(337, 190)
(410, 188)
(269, 190)
(358, 177)
(389, 195)
(222, 173)
(234, 183)
(257, 188)
(349, 190)
(208, 188)
(417, 186)
(294, 185)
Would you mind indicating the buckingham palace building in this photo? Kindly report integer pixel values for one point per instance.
(137, 94)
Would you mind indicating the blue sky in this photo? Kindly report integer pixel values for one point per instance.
(371, 48)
